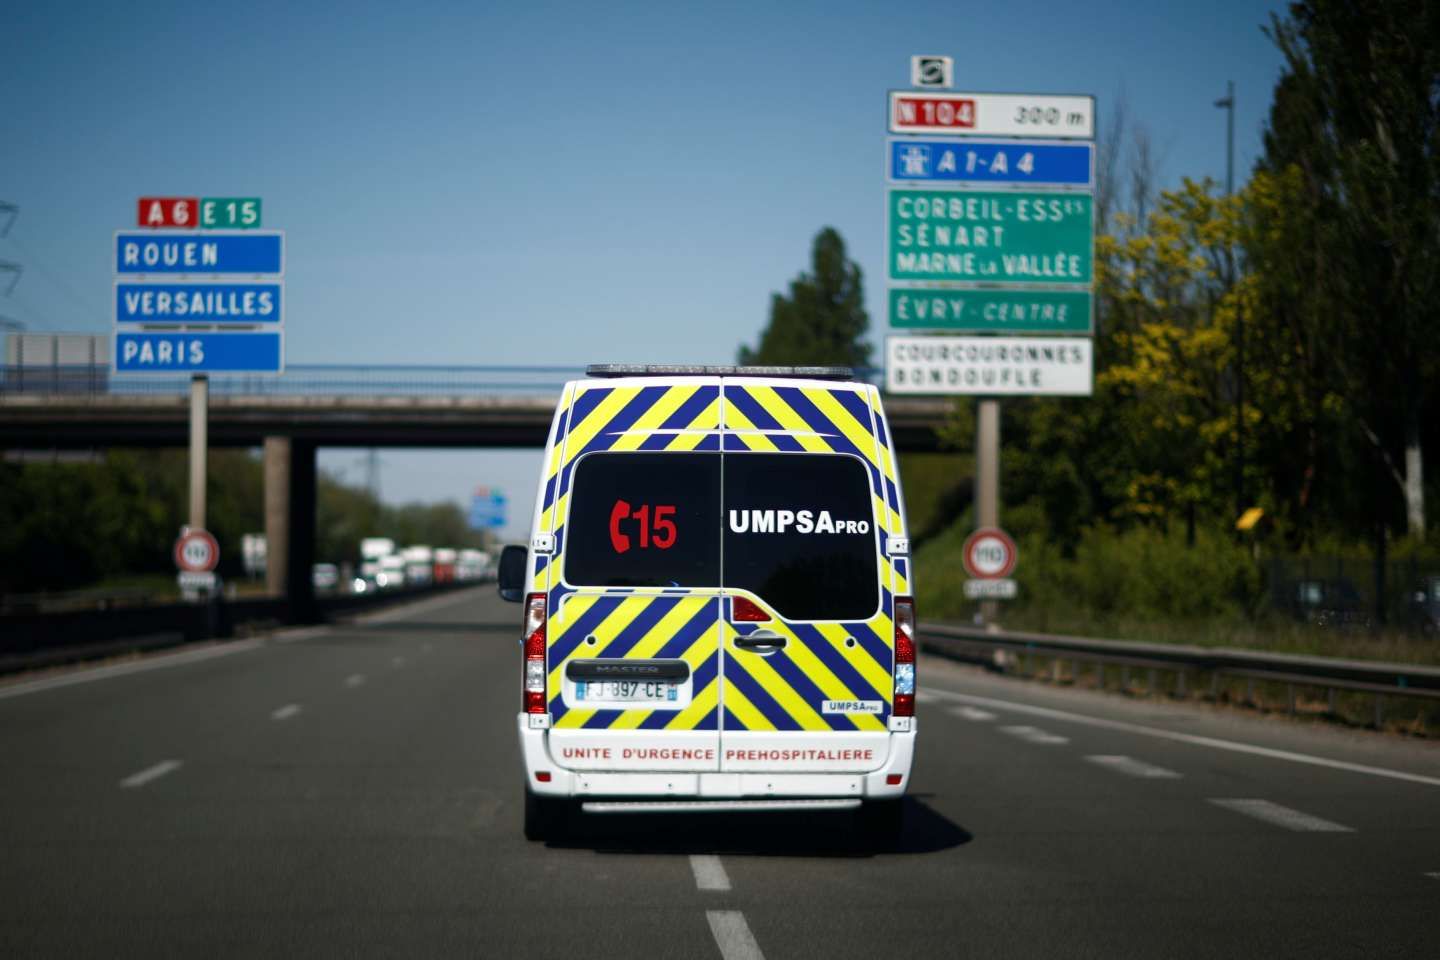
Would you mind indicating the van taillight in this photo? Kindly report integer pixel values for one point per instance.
(904, 657)
(535, 653)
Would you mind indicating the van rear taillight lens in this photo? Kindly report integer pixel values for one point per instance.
(746, 611)
(904, 657)
(535, 653)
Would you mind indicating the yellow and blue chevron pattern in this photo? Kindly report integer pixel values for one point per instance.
(821, 661)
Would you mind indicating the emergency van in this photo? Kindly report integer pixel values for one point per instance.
(717, 594)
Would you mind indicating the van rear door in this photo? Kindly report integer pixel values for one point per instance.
(634, 598)
(808, 685)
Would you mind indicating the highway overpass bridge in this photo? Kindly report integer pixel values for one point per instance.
(292, 415)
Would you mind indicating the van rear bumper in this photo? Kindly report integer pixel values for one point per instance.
(719, 786)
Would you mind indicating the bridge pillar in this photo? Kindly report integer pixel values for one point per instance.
(290, 524)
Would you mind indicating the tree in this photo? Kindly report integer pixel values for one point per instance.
(823, 319)
(1356, 122)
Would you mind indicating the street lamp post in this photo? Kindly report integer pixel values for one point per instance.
(1227, 103)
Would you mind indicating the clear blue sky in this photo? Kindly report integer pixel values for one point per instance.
(542, 182)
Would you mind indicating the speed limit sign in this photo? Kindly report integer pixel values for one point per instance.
(196, 551)
(989, 554)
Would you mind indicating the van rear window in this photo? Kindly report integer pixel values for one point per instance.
(797, 529)
(799, 532)
(644, 520)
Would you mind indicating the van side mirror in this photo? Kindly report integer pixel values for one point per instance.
(510, 577)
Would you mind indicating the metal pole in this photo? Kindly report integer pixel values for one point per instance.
(987, 481)
(1228, 104)
(199, 443)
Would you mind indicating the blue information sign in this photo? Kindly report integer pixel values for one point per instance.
(227, 303)
(487, 511)
(992, 161)
(210, 252)
(238, 352)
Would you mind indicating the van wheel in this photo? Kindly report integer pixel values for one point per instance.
(544, 817)
(881, 822)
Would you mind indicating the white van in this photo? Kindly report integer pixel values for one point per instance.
(717, 595)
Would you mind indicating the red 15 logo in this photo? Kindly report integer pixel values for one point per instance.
(656, 529)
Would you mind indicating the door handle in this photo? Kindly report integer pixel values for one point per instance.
(760, 641)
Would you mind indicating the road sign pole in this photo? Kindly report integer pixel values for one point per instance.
(987, 480)
(199, 443)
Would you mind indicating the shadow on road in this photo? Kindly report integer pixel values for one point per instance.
(809, 834)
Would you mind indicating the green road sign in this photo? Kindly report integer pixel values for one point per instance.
(230, 212)
(990, 236)
(1004, 311)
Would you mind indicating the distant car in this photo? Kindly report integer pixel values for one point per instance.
(1332, 602)
(1425, 606)
(325, 576)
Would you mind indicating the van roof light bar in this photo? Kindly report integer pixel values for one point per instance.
(710, 370)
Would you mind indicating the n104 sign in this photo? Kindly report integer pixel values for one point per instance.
(998, 237)
(992, 114)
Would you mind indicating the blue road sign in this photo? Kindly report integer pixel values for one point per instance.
(992, 161)
(210, 252)
(487, 511)
(239, 352)
(252, 303)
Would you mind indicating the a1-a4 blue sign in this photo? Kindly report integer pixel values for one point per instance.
(992, 161)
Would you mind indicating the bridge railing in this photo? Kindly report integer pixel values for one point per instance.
(310, 379)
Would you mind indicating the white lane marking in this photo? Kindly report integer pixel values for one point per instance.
(355, 679)
(1281, 816)
(298, 634)
(972, 713)
(1199, 741)
(150, 773)
(286, 712)
(1434, 876)
(397, 662)
(1133, 768)
(709, 872)
(121, 669)
(733, 936)
(1035, 735)
(925, 696)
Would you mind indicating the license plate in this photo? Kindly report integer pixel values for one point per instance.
(630, 691)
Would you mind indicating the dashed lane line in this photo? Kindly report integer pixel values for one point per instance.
(1434, 876)
(709, 873)
(1133, 768)
(1035, 735)
(972, 713)
(733, 936)
(354, 680)
(285, 712)
(1280, 816)
(149, 774)
(1214, 743)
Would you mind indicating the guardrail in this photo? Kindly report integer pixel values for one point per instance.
(1187, 663)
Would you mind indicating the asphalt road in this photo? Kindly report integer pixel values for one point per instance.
(357, 791)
